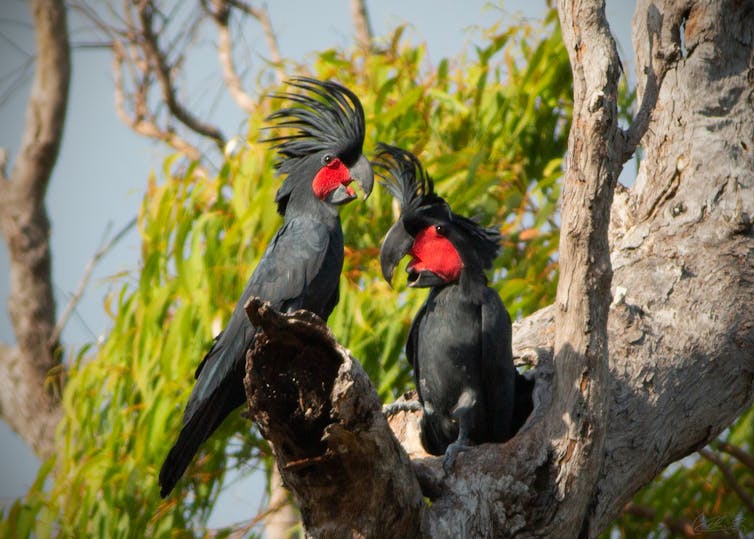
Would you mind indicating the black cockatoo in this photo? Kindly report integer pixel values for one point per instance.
(459, 344)
(320, 156)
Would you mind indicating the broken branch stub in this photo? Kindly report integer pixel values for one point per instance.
(318, 409)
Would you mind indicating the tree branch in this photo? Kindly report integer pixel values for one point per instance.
(577, 422)
(27, 401)
(658, 57)
(157, 59)
(730, 478)
(327, 422)
(142, 121)
(263, 17)
(362, 27)
(101, 251)
(742, 456)
(146, 67)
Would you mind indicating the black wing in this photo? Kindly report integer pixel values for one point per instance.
(498, 372)
(292, 260)
(412, 344)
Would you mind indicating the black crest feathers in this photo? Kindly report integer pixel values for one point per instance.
(405, 178)
(324, 117)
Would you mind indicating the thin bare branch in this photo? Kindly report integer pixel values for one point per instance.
(730, 478)
(148, 59)
(18, 76)
(742, 456)
(101, 251)
(92, 45)
(142, 121)
(361, 24)
(157, 59)
(220, 13)
(14, 45)
(262, 15)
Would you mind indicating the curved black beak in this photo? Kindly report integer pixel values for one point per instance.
(363, 174)
(341, 195)
(424, 279)
(395, 246)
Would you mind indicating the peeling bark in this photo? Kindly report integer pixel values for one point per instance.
(30, 372)
(631, 374)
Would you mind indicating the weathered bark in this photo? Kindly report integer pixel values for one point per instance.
(677, 365)
(29, 372)
(683, 252)
(321, 414)
(575, 427)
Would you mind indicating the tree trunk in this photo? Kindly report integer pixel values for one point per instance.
(30, 372)
(630, 375)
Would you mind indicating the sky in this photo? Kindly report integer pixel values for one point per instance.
(102, 170)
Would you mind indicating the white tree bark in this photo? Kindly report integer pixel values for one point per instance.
(632, 374)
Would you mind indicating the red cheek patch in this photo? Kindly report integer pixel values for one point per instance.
(329, 177)
(435, 253)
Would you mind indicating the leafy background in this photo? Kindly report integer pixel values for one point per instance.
(490, 126)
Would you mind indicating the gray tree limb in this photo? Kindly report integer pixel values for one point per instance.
(576, 425)
(30, 371)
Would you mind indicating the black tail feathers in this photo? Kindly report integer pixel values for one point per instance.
(196, 430)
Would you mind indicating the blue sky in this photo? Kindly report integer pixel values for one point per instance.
(103, 166)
